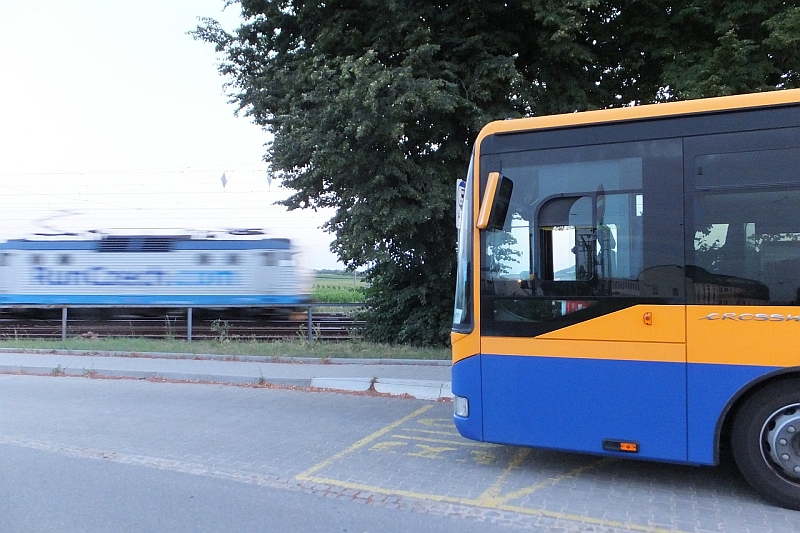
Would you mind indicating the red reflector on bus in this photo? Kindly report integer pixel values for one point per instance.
(620, 446)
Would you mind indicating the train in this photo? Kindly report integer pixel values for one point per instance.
(204, 269)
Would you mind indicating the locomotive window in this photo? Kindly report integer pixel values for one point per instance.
(4, 259)
(233, 259)
(64, 259)
(288, 258)
(37, 259)
(204, 259)
(270, 259)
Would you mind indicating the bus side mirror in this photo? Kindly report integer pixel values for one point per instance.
(496, 197)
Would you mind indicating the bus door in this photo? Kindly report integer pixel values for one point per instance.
(743, 255)
(582, 313)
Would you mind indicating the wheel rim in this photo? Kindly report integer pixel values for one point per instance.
(780, 442)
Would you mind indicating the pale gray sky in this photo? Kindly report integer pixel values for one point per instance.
(110, 111)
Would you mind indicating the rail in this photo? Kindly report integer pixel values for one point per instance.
(312, 329)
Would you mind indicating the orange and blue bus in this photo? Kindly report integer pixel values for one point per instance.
(629, 284)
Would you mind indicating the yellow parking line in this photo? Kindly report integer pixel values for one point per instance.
(363, 442)
(490, 499)
(491, 495)
(553, 480)
(390, 492)
(433, 432)
(498, 507)
(586, 519)
(467, 443)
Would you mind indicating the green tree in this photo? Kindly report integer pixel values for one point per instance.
(655, 50)
(374, 104)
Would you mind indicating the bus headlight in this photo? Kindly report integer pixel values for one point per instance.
(461, 406)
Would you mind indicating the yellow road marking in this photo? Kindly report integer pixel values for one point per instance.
(483, 458)
(436, 422)
(490, 495)
(433, 432)
(363, 442)
(431, 452)
(442, 441)
(386, 446)
(553, 480)
(499, 507)
(490, 499)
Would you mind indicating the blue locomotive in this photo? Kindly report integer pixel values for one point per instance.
(185, 268)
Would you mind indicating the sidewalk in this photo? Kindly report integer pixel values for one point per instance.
(425, 380)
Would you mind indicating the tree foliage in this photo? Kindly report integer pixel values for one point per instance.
(667, 50)
(374, 104)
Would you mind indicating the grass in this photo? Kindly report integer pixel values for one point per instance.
(234, 348)
(339, 288)
(341, 295)
(329, 287)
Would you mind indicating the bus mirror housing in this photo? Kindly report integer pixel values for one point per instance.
(496, 197)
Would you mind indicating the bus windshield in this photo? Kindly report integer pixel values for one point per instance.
(462, 317)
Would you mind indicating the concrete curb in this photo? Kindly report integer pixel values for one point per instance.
(245, 358)
(347, 384)
(418, 388)
(147, 374)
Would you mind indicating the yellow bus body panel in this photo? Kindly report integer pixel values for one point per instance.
(465, 345)
(744, 335)
(586, 349)
(668, 325)
(703, 334)
(622, 335)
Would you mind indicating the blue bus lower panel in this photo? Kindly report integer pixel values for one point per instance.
(711, 388)
(466, 382)
(671, 411)
(576, 404)
(182, 300)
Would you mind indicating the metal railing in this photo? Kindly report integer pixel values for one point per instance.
(312, 328)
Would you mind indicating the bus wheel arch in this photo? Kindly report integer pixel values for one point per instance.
(764, 440)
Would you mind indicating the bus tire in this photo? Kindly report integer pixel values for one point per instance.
(765, 441)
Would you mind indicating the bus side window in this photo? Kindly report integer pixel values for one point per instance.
(567, 240)
(747, 247)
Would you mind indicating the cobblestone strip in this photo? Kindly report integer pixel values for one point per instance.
(386, 499)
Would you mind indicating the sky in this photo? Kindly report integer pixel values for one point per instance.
(112, 117)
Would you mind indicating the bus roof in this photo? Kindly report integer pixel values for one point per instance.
(649, 111)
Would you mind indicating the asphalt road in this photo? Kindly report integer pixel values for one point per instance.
(99, 455)
(54, 493)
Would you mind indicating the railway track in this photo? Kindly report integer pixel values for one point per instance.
(205, 325)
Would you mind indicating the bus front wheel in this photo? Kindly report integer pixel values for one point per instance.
(766, 442)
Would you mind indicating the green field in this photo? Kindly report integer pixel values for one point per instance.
(339, 287)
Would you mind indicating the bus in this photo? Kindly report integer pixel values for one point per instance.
(628, 285)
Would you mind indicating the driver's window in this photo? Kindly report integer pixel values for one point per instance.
(591, 245)
(567, 244)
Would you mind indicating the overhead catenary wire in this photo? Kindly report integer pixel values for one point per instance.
(188, 193)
